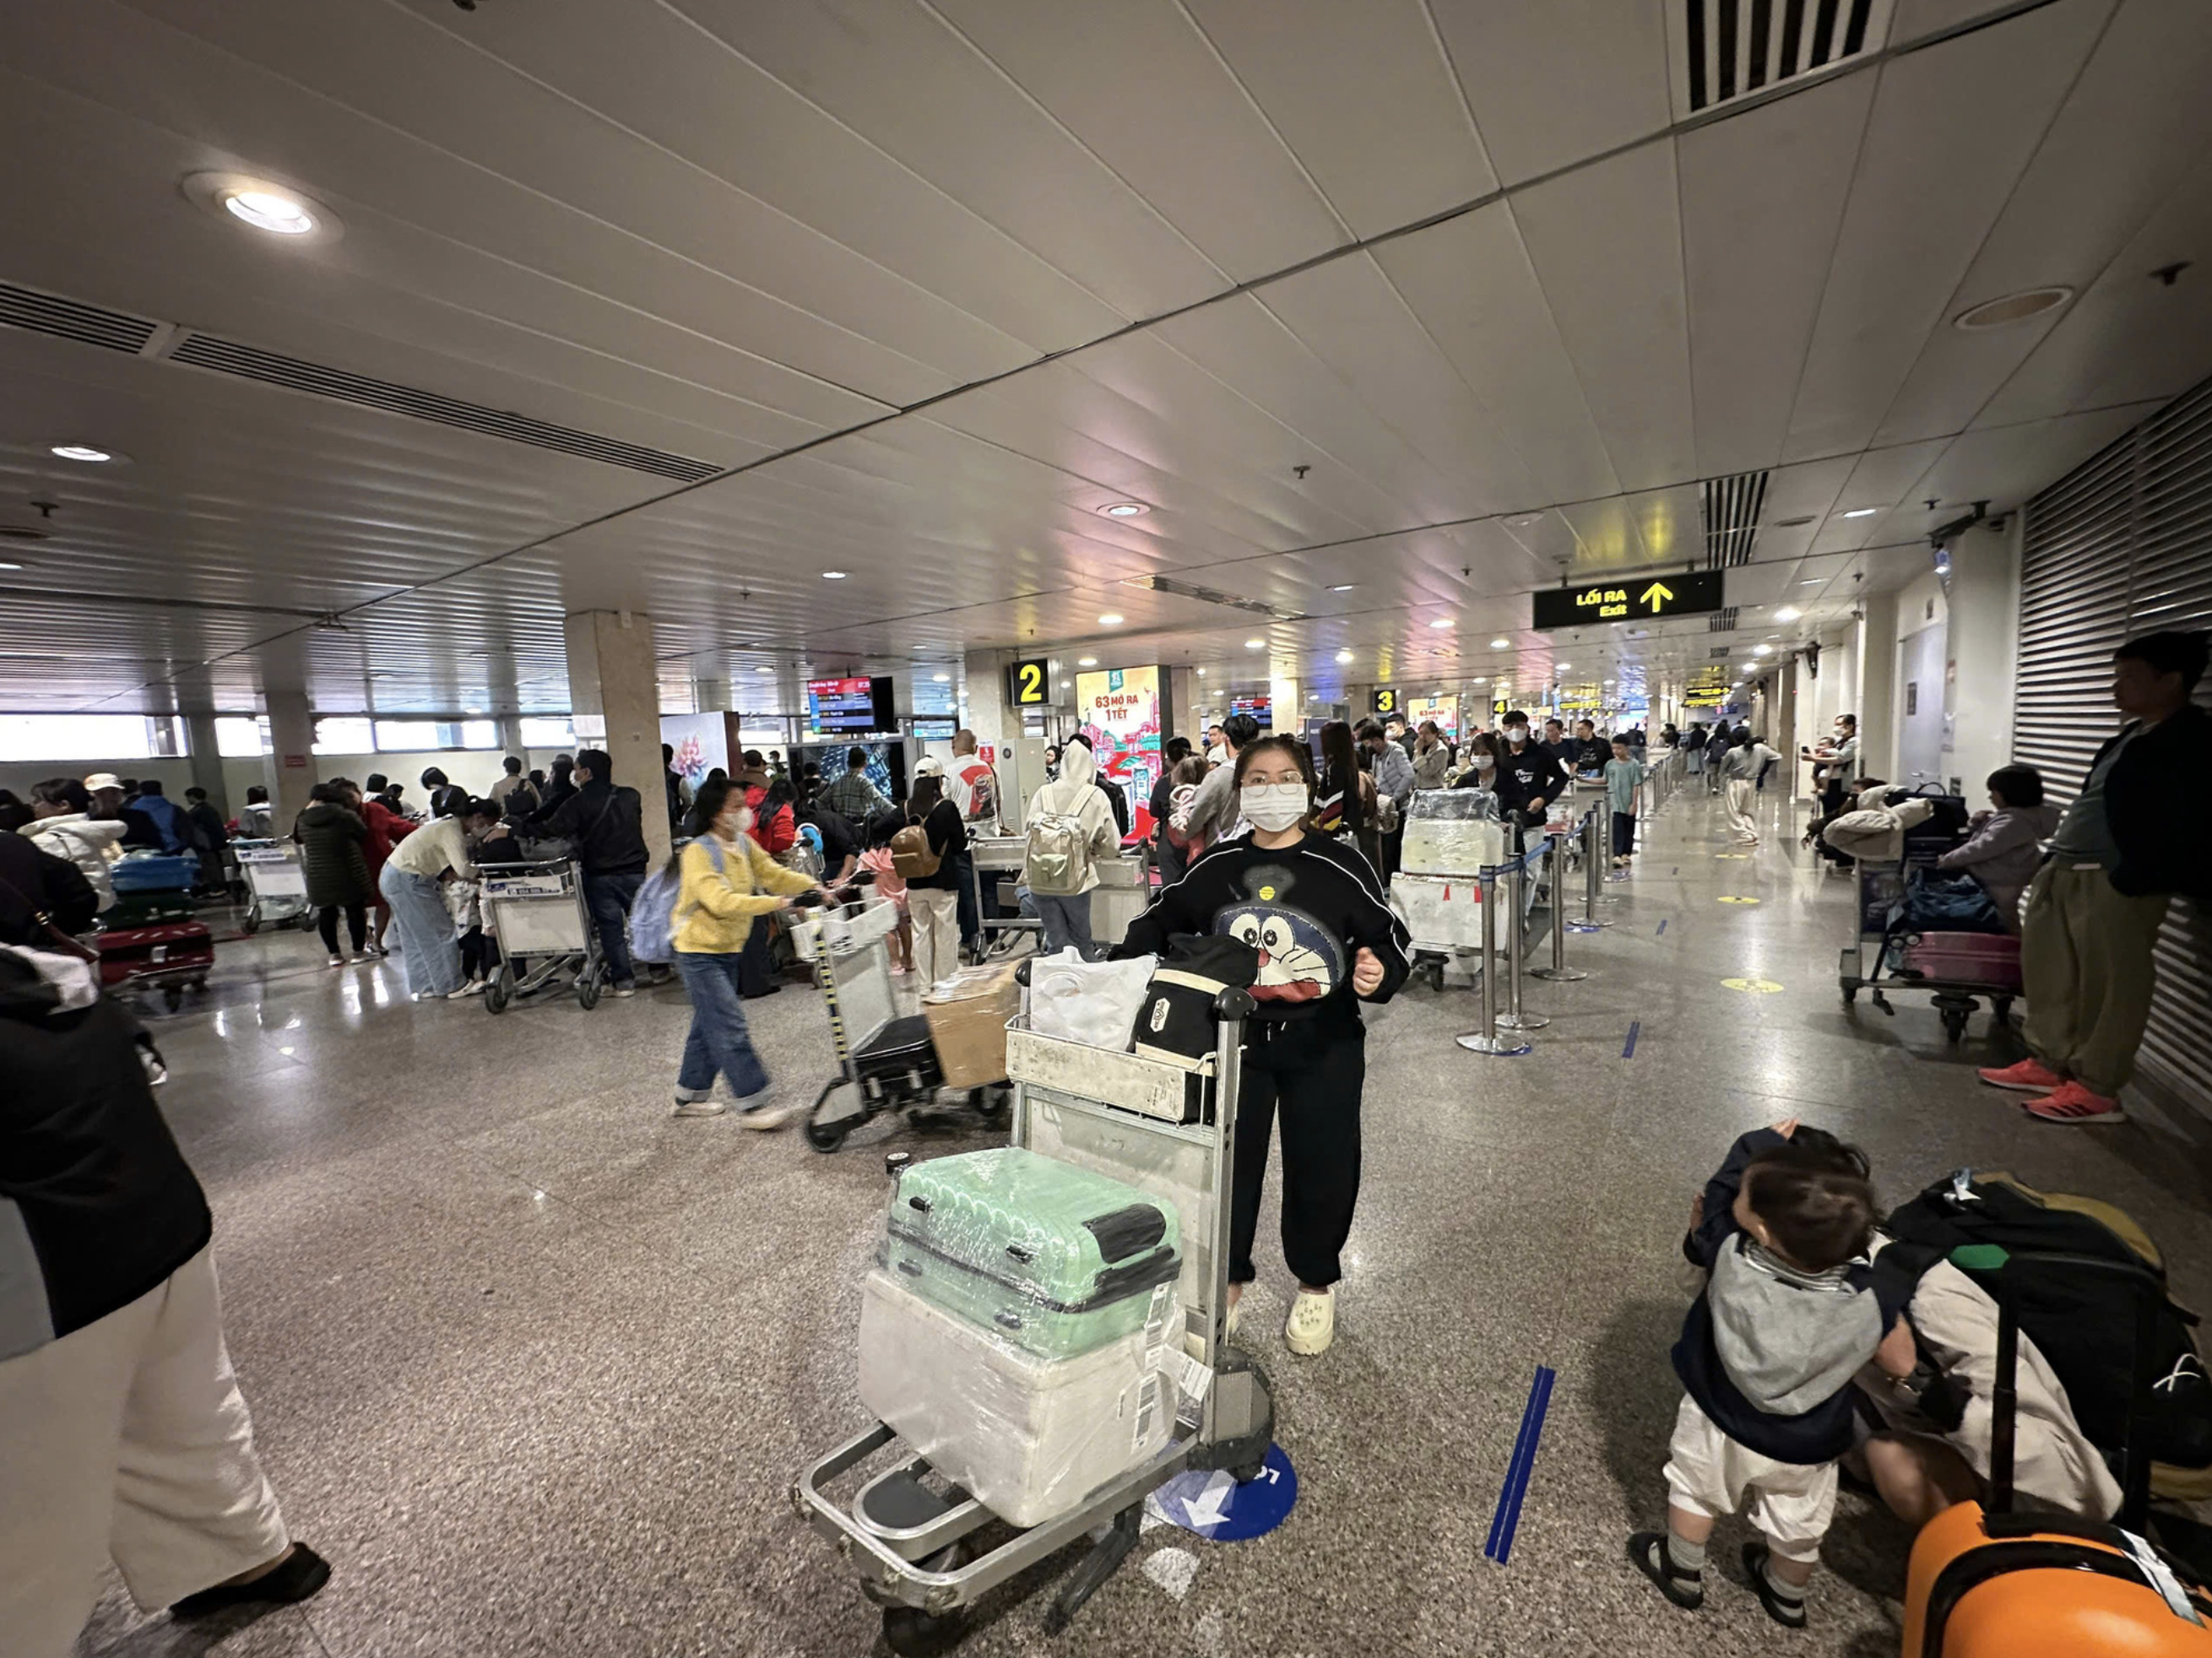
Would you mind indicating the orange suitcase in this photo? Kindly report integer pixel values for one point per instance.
(1991, 1583)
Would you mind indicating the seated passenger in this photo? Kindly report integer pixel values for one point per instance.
(2005, 849)
(1766, 1359)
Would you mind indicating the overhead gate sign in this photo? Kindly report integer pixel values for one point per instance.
(1645, 598)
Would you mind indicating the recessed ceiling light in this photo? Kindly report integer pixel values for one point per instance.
(1201, 673)
(267, 207)
(1792, 523)
(1344, 587)
(1564, 666)
(1811, 581)
(1086, 661)
(1256, 644)
(1863, 511)
(1788, 613)
(1111, 619)
(6, 565)
(940, 679)
(833, 575)
(271, 210)
(764, 669)
(2013, 307)
(1344, 656)
(1480, 679)
(1500, 644)
(1524, 521)
(81, 452)
(1125, 509)
(1442, 622)
(1762, 650)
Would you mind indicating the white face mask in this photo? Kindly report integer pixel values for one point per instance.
(1273, 807)
(1516, 735)
(1484, 762)
(745, 820)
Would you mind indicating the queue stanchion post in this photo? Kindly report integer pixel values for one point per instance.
(1592, 852)
(1558, 972)
(1515, 1019)
(1488, 1039)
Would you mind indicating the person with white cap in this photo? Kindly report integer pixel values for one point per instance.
(111, 804)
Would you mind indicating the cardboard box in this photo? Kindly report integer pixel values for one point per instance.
(968, 1016)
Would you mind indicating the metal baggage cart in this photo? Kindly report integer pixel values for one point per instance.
(926, 1552)
(885, 1057)
(276, 884)
(544, 929)
(1879, 885)
(1002, 856)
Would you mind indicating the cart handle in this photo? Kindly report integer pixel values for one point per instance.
(1233, 1002)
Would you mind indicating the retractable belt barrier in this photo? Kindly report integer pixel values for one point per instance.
(1558, 972)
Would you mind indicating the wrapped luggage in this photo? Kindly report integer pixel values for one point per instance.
(1452, 832)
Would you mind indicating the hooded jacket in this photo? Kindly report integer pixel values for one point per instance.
(1875, 832)
(97, 1206)
(87, 842)
(1076, 794)
(333, 855)
(2005, 854)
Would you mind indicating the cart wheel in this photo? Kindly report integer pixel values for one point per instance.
(250, 923)
(500, 991)
(828, 1137)
(1245, 1473)
(913, 1634)
(173, 997)
(1851, 995)
(1955, 1023)
(1436, 977)
(588, 989)
(2001, 1012)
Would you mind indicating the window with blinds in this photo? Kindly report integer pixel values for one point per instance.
(2120, 546)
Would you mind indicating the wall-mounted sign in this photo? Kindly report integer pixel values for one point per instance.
(1029, 685)
(1644, 598)
(1386, 700)
(1445, 710)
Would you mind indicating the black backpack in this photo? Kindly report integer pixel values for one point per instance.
(2084, 1330)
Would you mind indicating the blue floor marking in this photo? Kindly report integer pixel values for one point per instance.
(1507, 1519)
(1663, 929)
(1629, 1051)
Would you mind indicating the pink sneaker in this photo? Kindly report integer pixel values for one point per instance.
(2071, 1103)
(2028, 1076)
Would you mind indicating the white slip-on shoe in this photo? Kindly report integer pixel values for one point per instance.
(1312, 1324)
(765, 1117)
(701, 1106)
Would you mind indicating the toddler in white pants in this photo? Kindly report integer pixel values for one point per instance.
(1790, 1315)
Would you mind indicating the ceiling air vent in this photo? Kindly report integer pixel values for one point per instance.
(1722, 622)
(1161, 584)
(1724, 50)
(253, 364)
(1730, 508)
(88, 325)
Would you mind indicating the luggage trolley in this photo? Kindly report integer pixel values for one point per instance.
(1001, 856)
(536, 912)
(926, 1550)
(887, 1058)
(278, 884)
(1881, 885)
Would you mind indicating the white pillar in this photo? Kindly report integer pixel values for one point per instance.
(1876, 655)
(291, 755)
(1286, 698)
(1983, 667)
(510, 738)
(614, 693)
(983, 707)
(207, 760)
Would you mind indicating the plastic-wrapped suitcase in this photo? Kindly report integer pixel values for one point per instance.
(148, 909)
(1980, 958)
(173, 950)
(1993, 1583)
(156, 872)
(1053, 1258)
(1029, 1437)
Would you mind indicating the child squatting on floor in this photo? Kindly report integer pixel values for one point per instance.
(1790, 1314)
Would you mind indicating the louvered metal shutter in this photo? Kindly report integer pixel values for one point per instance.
(2121, 546)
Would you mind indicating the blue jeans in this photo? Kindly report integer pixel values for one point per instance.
(430, 956)
(1067, 921)
(718, 1043)
(610, 897)
(971, 927)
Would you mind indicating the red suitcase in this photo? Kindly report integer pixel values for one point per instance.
(166, 958)
(1994, 1583)
(1972, 958)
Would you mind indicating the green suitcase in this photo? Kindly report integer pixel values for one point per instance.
(1054, 1259)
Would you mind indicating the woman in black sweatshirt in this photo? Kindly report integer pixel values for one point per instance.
(1327, 940)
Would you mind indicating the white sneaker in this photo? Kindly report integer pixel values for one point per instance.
(765, 1117)
(1236, 1314)
(337, 961)
(699, 1107)
(463, 993)
(1312, 1323)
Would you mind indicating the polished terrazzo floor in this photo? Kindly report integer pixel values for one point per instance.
(534, 1363)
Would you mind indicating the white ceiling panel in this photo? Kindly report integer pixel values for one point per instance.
(1607, 245)
(2005, 465)
(1145, 93)
(1917, 19)
(2127, 137)
(1553, 82)
(1952, 129)
(1364, 98)
(1470, 283)
(1763, 196)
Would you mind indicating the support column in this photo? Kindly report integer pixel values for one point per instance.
(614, 695)
(510, 738)
(1287, 697)
(1876, 655)
(982, 702)
(291, 754)
(1982, 668)
(207, 762)
(711, 696)
(1181, 711)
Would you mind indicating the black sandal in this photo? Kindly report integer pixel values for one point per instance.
(1791, 1614)
(1648, 1549)
(299, 1575)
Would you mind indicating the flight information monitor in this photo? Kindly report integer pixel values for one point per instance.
(849, 708)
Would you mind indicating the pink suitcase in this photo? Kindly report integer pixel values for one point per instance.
(1972, 958)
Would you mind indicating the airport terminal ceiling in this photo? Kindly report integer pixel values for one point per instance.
(1384, 316)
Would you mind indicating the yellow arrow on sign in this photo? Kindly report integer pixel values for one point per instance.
(1656, 594)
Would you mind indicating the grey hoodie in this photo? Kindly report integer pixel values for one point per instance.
(2005, 854)
(1788, 1340)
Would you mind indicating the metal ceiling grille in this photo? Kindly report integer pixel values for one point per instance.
(2121, 546)
(1730, 508)
(1721, 621)
(1730, 49)
(251, 362)
(88, 324)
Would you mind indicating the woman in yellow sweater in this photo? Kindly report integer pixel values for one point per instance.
(728, 883)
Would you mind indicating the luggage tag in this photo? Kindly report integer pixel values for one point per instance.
(1962, 1186)
(1194, 1377)
(1156, 1324)
(2160, 1577)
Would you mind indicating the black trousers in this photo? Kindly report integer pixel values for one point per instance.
(326, 923)
(757, 961)
(479, 954)
(1310, 1073)
(1623, 834)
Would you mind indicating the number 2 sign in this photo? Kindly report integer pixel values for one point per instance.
(1029, 685)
